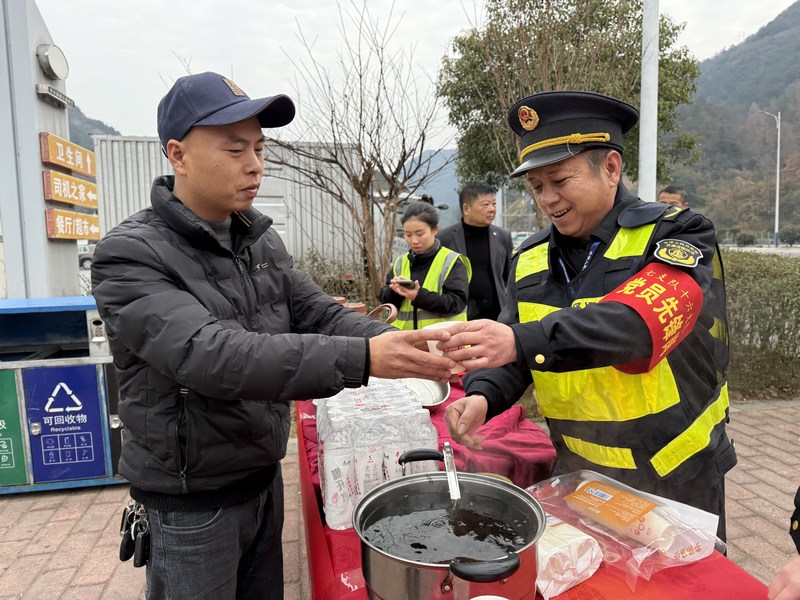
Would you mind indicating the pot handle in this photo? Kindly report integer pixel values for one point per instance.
(418, 455)
(485, 571)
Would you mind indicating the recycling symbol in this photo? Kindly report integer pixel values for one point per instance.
(76, 404)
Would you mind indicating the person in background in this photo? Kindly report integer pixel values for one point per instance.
(445, 274)
(213, 333)
(487, 246)
(616, 313)
(673, 196)
(786, 584)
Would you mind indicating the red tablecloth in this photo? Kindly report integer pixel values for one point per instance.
(521, 451)
(513, 446)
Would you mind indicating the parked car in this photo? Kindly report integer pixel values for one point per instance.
(517, 237)
(85, 254)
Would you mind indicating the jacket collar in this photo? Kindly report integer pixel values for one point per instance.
(246, 226)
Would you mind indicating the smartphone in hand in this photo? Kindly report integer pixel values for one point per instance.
(409, 285)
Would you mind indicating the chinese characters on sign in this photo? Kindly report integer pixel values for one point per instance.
(59, 152)
(70, 190)
(68, 225)
(65, 402)
(60, 187)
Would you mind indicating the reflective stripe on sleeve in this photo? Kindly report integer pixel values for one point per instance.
(694, 438)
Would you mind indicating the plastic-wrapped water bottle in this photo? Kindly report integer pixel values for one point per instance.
(395, 443)
(368, 452)
(421, 433)
(338, 473)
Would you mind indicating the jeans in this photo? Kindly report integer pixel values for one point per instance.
(221, 554)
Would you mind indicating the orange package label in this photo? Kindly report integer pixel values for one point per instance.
(608, 505)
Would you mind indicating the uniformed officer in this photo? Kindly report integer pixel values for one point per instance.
(616, 313)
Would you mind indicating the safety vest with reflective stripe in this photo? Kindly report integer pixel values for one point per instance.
(437, 274)
(653, 421)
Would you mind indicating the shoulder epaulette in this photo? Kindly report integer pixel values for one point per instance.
(534, 240)
(647, 212)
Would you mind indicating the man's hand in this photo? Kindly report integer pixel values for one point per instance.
(463, 417)
(786, 584)
(480, 344)
(398, 354)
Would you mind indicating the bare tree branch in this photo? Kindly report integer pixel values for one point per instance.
(361, 131)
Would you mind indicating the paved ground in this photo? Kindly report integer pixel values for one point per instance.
(64, 544)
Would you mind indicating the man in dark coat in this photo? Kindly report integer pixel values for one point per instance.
(213, 333)
(487, 246)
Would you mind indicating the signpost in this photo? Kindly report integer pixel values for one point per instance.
(59, 187)
(69, 225)
(59, 152)
(66, 189)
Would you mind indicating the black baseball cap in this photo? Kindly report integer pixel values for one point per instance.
(556, 125)
(211, 99)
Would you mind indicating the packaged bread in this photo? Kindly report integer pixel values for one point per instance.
(566, 557)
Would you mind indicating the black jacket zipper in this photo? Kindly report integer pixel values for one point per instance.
(183, 457)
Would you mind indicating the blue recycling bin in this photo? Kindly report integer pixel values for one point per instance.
(57, 423)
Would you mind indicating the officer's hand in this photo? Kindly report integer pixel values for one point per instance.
(480, 344)
(786, 584)
(398, 354)
(464, 416)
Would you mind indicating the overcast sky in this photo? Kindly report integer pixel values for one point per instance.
(121, 52)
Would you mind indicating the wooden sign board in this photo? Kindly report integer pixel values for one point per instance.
(69, 225)
(70, 190)
(59, 152)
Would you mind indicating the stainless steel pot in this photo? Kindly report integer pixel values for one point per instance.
(392, 577)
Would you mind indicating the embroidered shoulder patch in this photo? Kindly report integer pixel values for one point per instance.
(678, 252)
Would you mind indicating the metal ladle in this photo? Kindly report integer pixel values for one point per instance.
(450, 471)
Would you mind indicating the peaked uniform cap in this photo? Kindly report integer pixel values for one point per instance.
(553, 126)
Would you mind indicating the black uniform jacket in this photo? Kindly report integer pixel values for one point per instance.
(612, 334)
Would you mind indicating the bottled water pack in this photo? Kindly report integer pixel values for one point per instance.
(362, 432)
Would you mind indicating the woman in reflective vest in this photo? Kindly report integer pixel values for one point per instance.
(445, 275)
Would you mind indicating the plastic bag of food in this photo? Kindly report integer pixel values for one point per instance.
(638, 533)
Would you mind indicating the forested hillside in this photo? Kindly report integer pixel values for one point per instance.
(734, 182)
(82, 127)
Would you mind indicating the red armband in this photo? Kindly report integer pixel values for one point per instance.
(668, 300)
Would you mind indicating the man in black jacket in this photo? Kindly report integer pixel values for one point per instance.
(487, 246)
(213, 333)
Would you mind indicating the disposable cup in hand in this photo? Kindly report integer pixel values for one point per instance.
(432, 344)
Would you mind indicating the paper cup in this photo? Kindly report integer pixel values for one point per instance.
(435, 351)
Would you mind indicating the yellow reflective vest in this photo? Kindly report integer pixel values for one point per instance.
(635, 427)
(435, 278)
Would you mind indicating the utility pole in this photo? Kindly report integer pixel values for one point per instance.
(648, 106)
(777, 172)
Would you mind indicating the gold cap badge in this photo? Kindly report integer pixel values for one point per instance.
(528, 118)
